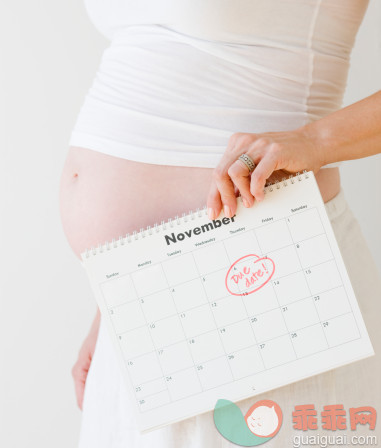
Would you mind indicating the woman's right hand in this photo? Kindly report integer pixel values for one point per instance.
(81, 367)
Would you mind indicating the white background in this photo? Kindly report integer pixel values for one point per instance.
(49, 54)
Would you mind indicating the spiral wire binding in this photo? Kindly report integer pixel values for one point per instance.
(185, 217)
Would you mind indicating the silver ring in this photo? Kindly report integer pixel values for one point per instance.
(248, 161)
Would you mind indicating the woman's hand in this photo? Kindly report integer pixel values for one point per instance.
(81, 367)
(276, 155)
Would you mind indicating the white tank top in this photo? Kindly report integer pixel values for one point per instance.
(180, 76)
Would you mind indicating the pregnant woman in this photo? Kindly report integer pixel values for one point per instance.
(184, 89)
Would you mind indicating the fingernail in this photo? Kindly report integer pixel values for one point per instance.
(245, 203)
(227, 211)
(210, 213)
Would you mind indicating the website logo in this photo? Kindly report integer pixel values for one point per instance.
(260, 424)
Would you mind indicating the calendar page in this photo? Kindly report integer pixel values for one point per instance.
(200, 310)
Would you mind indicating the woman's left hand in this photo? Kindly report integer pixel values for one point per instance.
(275, 154)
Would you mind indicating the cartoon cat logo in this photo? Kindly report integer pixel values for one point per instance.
(260, 424)
(263, 419)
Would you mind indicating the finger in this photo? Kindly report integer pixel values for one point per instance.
(261, 173)
(79, 374)
(226, 189)
(241, 176)
(214, 202)
(80, 382)
(79, 392)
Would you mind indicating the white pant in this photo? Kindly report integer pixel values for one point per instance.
(107, 421)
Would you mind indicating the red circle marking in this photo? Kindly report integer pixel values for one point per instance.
(256, 261)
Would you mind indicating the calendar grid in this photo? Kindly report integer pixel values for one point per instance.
(153, 342)
(272, 285)
(304, 273)
(221, 301)
(249, 375)
(212, 272)
(250, 315)
(218, 332)
(241, 321)
(247, 313)
(185, 336)
(340, 274)
(227, 295)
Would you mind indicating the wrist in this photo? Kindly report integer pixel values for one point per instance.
(318, 136)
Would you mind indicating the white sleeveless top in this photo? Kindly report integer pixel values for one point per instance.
(181, 76)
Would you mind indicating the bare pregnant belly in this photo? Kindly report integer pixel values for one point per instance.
(103, 197)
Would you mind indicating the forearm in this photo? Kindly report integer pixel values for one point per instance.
(349, 133)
